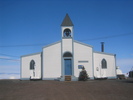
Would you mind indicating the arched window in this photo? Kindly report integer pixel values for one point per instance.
(67, 33)
(67, 54)
(32, 64)
(104, 63)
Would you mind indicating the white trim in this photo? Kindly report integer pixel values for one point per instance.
(66, 37)
(92, 63)
(115, 64)
(41, 65)
(21, 68)
(62, 72)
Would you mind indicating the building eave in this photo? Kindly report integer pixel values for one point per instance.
(83, 43)
(52, 44)
(31, 54)
(104, 53)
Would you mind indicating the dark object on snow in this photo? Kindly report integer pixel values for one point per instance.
(83, 76)
(131, 74)
(122, 76)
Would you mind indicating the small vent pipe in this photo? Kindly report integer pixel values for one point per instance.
(102, 46)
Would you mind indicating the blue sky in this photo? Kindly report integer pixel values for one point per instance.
(28, 25)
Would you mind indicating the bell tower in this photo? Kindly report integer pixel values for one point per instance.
(67, 35)
(67, 48)
(67, 27)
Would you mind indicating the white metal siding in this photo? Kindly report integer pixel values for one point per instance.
(67, 45)
(25, 66)
(83, 53)
(111, 68)
(52, 61)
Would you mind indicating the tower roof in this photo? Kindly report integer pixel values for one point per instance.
(67, 21)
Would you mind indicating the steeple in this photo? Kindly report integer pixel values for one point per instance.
(67, 21)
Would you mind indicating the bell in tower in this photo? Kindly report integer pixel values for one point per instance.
(67, 32)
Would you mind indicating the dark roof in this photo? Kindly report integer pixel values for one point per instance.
(67, 21)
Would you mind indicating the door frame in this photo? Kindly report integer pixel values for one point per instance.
(71, 58)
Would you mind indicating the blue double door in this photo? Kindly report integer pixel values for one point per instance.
(68, 66)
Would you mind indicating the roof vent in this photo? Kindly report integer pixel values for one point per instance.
(102, 46)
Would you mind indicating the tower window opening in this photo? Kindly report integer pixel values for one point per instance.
(67, 33)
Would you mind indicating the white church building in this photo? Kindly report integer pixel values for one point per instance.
(64, 59)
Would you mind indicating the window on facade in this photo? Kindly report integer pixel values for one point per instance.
(104, 63)
(32, 65)
(67, 54)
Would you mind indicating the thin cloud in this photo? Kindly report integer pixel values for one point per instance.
(10, 76)
(4, 57)
(9, 71)
(9, 59)
(10, 66)
(125, 62)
